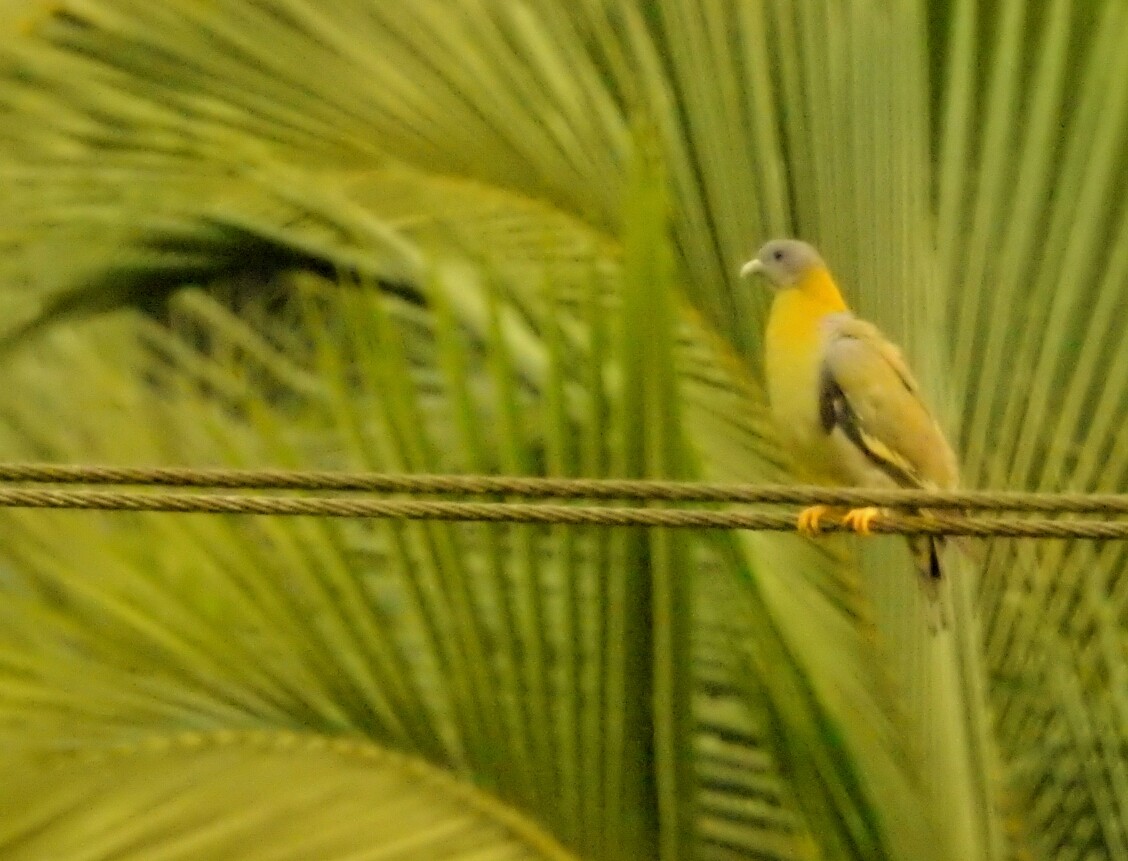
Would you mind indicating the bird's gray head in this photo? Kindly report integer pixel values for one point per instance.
(784, 262)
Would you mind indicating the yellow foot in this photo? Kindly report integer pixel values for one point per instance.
(808, 520)
(861, 519)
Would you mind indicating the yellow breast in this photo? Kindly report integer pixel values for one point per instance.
(792, 361)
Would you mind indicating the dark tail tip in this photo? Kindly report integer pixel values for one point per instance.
(934, 548)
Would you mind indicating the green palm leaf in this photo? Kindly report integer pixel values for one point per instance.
(197, 795)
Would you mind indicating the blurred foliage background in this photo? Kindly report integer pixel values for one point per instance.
(501, 236)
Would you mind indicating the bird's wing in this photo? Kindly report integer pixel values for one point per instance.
(867, 391)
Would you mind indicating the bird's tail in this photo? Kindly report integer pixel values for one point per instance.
(927, 551)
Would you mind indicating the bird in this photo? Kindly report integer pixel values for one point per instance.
(844, 398)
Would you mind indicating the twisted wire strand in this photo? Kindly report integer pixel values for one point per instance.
(541, 513)
(561, 488)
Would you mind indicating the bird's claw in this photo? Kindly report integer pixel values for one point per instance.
(808, 521)
(861, 519)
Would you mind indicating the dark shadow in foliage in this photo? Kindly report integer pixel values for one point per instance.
(233, 264)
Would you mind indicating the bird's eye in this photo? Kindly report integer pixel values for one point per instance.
(777, 255)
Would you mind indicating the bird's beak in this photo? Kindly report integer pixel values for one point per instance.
(752, 267)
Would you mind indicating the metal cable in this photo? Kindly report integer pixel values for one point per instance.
(542, 513)
(561, 488)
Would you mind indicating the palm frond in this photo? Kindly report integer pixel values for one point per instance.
(201, 794)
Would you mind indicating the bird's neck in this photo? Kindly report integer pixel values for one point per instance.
(798, 310)
(816, 293)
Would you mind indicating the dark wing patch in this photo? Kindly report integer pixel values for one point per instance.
(831, 400)
(835, 411)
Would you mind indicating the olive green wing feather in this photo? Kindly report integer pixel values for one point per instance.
(868, 392)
